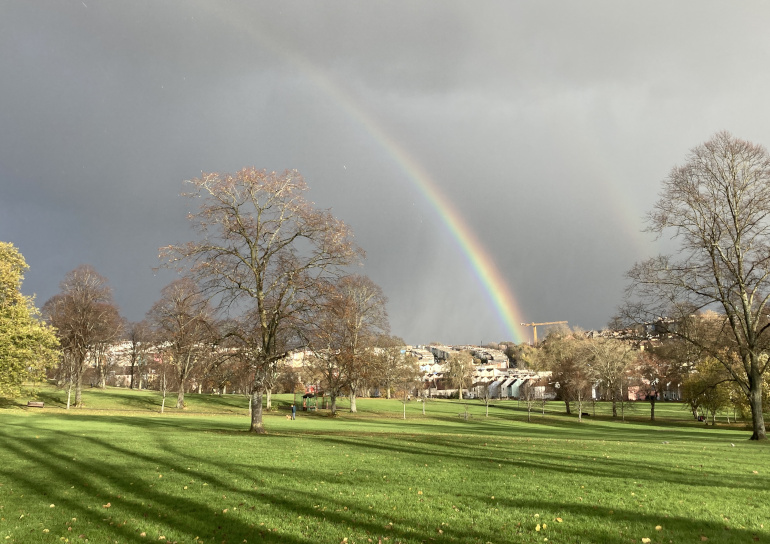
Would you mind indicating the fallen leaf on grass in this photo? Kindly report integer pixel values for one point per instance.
(537, 527)
(658, 528)
(106, 505)
(703, 538)
(559, 520)
(646, 540)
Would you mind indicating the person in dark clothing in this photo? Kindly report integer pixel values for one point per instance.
(294, 411)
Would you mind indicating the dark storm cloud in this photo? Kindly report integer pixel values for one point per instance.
(548, 124)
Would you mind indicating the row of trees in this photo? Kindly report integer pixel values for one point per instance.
(183, 338)
(268, 273)
(269, 263)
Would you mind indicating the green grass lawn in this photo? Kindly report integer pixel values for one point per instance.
(119, 471)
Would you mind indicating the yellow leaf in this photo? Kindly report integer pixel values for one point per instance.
(658, 528)
(559, 520)
(537, 527)
(419, 492)
(645, 540)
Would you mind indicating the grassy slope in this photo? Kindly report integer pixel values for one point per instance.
(114, 475)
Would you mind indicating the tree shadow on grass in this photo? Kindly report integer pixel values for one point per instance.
(141, 497)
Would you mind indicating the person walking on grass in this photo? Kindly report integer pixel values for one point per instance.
(294, 411)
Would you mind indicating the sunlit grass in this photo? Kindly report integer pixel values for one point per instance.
(136, 477)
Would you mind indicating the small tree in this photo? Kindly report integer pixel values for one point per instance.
(654, 374)
(485, 394)
(183, 324)
(408, 376)
(460, 370)
(389, 355)
(567, 355)
(139, 336)
(610, 360)
(708, 388)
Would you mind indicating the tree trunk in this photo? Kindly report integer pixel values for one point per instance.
(180, 395)
(566, 403)
(333, 407)
(353, 408)
(652, 406)
(755, 401)
(79, 388)
(269, 400)
(580, 408)
(103, 375)
(387, 391)
(69, 394)
(257, 426)
(460, 393)
(614, 407)
(133, 365)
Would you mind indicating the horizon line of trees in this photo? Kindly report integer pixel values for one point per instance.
(273, 269)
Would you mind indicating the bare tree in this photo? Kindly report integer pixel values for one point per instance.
(263, 248)
(183, 324)
(655, 374)
(139, 338)
(361, 310)
(486, 396)
(460, 371)
(407, 378)
(84, 315)
(717, 205)
(566, 355)
(610, 361)
(388, 361)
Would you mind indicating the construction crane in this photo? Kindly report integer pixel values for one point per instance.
(536, 325)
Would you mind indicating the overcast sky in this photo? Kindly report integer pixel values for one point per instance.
(548, 126)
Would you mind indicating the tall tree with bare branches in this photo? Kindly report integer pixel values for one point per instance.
(85, 316)
(717, 206)
(262, 248)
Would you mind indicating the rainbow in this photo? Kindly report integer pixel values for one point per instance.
(480, 260)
